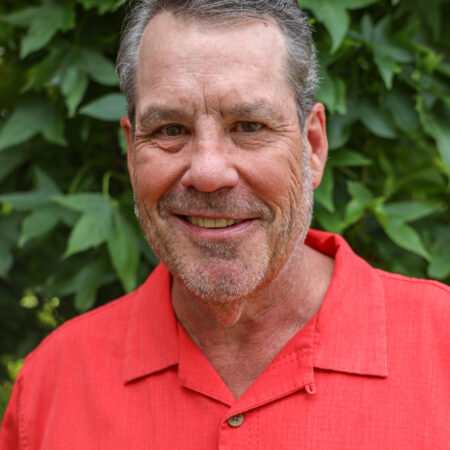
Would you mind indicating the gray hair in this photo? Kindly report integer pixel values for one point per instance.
(301, 63)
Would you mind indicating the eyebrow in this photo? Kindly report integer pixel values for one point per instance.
(261, 110)
(156, 114)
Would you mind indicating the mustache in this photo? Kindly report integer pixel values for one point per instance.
(224, 201)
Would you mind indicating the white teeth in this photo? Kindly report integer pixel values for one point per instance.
(206, 222)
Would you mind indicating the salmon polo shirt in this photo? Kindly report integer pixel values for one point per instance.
(370, 371)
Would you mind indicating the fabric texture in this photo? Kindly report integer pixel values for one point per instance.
(370, 371)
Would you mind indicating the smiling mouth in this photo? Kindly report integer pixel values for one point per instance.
(206, 222)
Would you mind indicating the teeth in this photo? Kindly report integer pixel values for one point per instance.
(206, 222)
(220, 223)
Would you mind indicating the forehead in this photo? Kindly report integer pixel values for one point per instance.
(178, 57)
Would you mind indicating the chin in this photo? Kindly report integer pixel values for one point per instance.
(221, 282)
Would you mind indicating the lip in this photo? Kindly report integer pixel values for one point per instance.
(208, 215)
(235, 231)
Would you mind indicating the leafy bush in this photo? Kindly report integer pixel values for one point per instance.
(68, 238)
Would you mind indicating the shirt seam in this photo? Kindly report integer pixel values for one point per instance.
(22, 432)
(405, 279)
(288, 359)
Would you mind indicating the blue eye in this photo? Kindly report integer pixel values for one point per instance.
(249, 127)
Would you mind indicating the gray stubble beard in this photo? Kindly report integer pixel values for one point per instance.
(229, 287)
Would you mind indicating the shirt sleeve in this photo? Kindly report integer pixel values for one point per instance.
(10, 428)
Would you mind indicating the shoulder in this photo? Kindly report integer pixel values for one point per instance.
(417, 308)
(98, 338)
(415, 290)
(91, 333)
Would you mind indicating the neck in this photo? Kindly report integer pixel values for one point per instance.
(241, 338)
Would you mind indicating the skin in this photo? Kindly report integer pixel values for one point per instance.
(217, 136)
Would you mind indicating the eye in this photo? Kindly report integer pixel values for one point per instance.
(248, 127)
(173, 130)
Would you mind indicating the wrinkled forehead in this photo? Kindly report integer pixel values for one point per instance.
(179, 58)
(170, 40)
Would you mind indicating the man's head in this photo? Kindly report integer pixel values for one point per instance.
(221, 170)
(300, 64)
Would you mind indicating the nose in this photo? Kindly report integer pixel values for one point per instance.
(211, 166)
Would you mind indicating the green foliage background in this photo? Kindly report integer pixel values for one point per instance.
(68, 237)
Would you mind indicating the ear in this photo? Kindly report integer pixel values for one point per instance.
(317, 142)
(128, 131)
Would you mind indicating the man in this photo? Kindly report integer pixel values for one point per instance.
(248, 336)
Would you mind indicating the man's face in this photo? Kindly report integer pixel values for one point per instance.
(219, 166)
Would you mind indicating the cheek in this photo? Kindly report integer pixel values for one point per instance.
(276, 178)
(155, 172)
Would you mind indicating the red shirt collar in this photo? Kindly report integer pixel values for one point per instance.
(350, 333)
(349, 330)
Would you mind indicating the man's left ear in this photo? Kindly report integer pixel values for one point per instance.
(317, 142)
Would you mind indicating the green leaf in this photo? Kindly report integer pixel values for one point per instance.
(73, 87)
(124, 251)
(404, 236)
(439, 267)
(69, 276)
(94, 275)
(387, 66)
(10, 160)
(30, 119)
(338, 130)
(20, 18)
(25, 122)
(329, 221)
(410, 211)
(383, 42)
(103, 6)
(6, 258)
(23, 201)
(387, 51)
(354, 211)
(324, 193)
(333, 15)
(84, 202)
(331, 92)
(356, 4)
(347, 158)
(110, 107)
(439, 129)
(53, 128)
(45, 184)
(325, 93)
(91, 230)
(43, 21)
(367, 28)
(376, 120)
(361, 198)
(101, 69)
(46, 69)
(9, 228)
(39, 223)
(359, 192)
(403, 112)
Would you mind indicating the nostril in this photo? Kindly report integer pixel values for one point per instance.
(210, 178)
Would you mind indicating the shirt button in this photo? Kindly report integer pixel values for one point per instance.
(236, 421)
